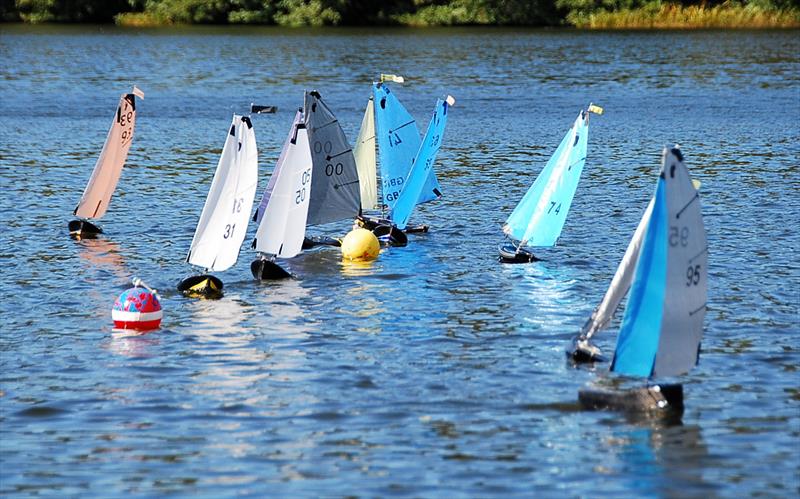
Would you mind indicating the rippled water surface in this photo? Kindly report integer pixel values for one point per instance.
(435, 370)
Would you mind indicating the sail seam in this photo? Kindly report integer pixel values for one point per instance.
(696, 196)
(704, 250)
(341, 153)
(403, 126)
(701, 307)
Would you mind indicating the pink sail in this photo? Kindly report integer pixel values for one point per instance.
(97, 195)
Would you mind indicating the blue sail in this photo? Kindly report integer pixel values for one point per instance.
(638, 339)
(398, 143)
(540, 216)
(420, 173)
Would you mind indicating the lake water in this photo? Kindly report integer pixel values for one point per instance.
(435, 371)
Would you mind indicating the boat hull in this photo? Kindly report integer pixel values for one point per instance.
(314, 241)
(265, 270)
(386, 232)
(510, 253)
(83, 229)
(664, 399)
(201, 286)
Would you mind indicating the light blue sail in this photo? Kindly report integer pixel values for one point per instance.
(398, 143)
(638, 339)
(417, 181)
(540, 216)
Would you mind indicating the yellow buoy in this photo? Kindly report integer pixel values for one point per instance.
(360, 245)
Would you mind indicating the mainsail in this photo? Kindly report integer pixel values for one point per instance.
(398, 144)
(223, 222)
(422, 168)
(364, 154)
(283, 225)
(540, 216)
(335, 192)
(97, 195)
(663, 322)
(298, 118)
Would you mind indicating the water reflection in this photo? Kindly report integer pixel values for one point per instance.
(661, 458)
(132, 344)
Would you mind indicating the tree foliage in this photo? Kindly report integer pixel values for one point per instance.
(363, 12)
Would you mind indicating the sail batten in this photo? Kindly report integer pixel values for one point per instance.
(96, 196)
(226, 212)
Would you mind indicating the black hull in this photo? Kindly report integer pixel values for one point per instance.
(509, 253)
(265, 270)
(314, 241)
(386, 232)
(666, 400)
(201, 286)
(581, 351)
(83, 229)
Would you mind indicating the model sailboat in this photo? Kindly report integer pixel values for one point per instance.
(283, 210)
(107, 170)
(335, 193)
(223, 222)
(539, 217)
(663, 322)
(398, 146)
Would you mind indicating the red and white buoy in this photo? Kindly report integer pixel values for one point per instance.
(137, 308)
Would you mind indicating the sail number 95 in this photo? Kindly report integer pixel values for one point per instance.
(677, 236)
(692, 275)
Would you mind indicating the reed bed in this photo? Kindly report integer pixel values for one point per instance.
(672, 16)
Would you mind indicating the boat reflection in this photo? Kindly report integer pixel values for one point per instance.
(661, 458)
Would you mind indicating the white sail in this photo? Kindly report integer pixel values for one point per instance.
(97, 195)
(621, 282)
(283, 225)
(223, 222)
(365, 159)
(663, 323)
(687, 272)
(298, 118)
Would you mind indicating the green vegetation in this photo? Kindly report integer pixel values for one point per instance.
(601, 14)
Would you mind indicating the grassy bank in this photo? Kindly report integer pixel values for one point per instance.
(671, 16)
